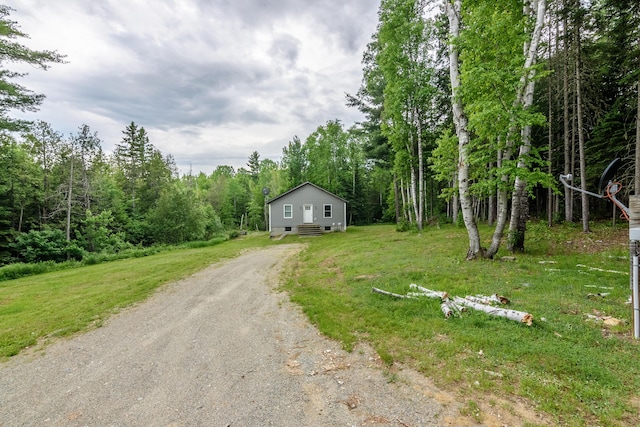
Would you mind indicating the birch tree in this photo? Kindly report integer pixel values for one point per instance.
(493, 82)
(405, 58)
(460, 120)
(534, 12)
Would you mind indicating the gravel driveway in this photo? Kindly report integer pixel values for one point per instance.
(220, 348)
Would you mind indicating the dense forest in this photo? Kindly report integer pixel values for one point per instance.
(472, 110)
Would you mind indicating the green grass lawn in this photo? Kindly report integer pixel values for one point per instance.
(577, 371)
(60, 303)
(580, 372)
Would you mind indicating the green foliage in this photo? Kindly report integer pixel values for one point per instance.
(98, 234)
(46, 245)
(492, 78)
(179, 217)
(294, 162)
(444, 159)
(142, 170)
(406, 63)
(326, 148)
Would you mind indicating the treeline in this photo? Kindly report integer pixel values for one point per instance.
(63, 197)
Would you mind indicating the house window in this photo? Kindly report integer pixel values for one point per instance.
(327, 211)
(288, 211)
(287, 229)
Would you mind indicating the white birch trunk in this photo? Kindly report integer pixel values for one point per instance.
(502, 211)
(390, 294)
(455, 202)
(413, 194)
(461, 123)
(488, 300)
(429, 293)
(518, 316)
(420, 212)
(446, 310)
(519, 201)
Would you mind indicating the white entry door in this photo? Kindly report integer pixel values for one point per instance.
(307, 214)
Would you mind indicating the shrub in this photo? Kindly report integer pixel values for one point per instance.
(46, 245)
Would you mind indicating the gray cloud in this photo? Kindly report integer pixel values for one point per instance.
(211, 81)
(285, 47)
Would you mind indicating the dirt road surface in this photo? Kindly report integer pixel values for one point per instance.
(220, 348)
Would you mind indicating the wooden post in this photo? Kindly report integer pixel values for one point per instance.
(634, 241)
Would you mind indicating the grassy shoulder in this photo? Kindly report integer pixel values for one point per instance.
(63, 302)
(576, 370)
(18, 270)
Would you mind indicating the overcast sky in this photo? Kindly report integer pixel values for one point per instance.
(210, 80)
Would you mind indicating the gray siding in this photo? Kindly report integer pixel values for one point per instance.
(306, 194)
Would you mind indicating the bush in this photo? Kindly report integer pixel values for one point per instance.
(403, 226)
(46, 245)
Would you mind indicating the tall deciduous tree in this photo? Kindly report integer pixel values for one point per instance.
(87, 146)
(20, 192)
(44, 143)
(493, 72)
(326, 152)
(179, 216)
(294, 163)
(405, 56)
(461, 122)
(534, 18)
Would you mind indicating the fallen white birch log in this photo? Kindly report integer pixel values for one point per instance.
(423, 295)
(518, 316)
(493, 299)
(391, 294)
(446, 310)
(429, 292)
(449, 308)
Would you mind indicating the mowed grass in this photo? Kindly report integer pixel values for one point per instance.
(34, 308)
(578, 371)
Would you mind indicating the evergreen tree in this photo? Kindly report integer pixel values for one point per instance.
(13, 96)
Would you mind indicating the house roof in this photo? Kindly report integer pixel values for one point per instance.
(302, 185)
